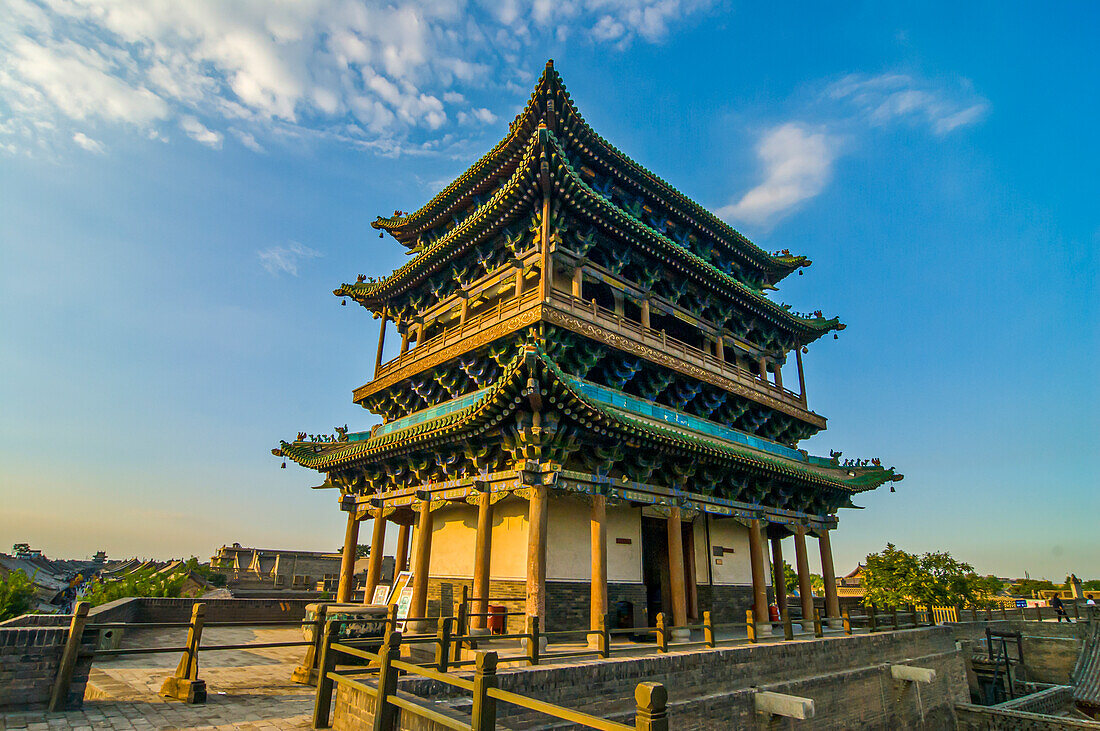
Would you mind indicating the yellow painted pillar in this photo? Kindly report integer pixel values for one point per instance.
(645, 313)
(759, 579)
(537, 516)
(401, 562)
(374, 561)
(801, 374)
(676, 573)
(381, 341)
(805, 591)
(422, 564)
(828, 577)
(780, 576)
(599, 564)
(482, 552)
(347, 560)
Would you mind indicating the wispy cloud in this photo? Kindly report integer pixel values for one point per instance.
(285, 259)
(385, 74)
(796, 158)
(797, 163)
(889, 98)
(88, 143)
(197, 131)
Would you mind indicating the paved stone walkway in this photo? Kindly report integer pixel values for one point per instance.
(246, 689)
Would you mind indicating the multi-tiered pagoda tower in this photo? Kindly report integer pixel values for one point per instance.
(588, 405)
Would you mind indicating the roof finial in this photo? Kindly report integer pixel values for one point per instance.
(550, 63)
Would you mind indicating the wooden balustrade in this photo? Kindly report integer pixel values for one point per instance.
(660, 340)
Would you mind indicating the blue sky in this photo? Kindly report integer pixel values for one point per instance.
(183, 184)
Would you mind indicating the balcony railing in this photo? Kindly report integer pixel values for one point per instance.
(604, 318)
(659, 340)
(504, 309)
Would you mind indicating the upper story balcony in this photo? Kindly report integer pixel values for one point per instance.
(717, 365)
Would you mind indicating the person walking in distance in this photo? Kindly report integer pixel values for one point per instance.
(1059, 608)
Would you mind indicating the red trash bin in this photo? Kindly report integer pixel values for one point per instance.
(496, 619)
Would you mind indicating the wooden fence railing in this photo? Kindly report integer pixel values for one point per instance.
(650, 698)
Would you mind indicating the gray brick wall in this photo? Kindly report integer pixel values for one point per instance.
(29, 658)
(847, 677)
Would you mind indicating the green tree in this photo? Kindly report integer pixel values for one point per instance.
(1028, 587)
(894, 578)
(16, 595)
(206, 571)
(138, 583)
(361, 551)
(817, 585)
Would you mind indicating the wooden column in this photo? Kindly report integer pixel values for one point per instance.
(720, 348)
(805, 591)
(463, 311)
(762, 366)
(620, 306)
(759, 579)
(676, 578)
(801, 375)
(691, 577)
(422, 563)
(598, 526)
(779, 374)
(401, 561)
(381, 340)
(482, 551)
(519, 281)
(404, 339)
(645, 313)
(537, 515)
(374, 561)
(828, 576)
(578, 281)
(347, 560)
(780, 576)
(546, 281)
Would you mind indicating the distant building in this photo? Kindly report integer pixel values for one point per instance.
(263, 568)
(24, 550)
(100, 558)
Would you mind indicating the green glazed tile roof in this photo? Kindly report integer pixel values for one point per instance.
(486, 409)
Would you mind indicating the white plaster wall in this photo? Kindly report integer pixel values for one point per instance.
(735, 567)
(569, 542)
(624, 562)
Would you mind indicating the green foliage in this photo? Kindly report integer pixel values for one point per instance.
(206, 571)
(16, 595)
(1091, 585)
(138, 583)
(895, 578)
(817, 584)
(990, 585)
(1028, 587)
(361, 551)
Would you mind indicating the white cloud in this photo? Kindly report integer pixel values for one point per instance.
(88, 143)
(247, 140)
(285, 259)
(797, 163)
(797, 159)
(889, 98)
(385, 74)
(197, 131)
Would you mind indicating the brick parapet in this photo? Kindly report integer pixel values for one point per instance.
(29, 659)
